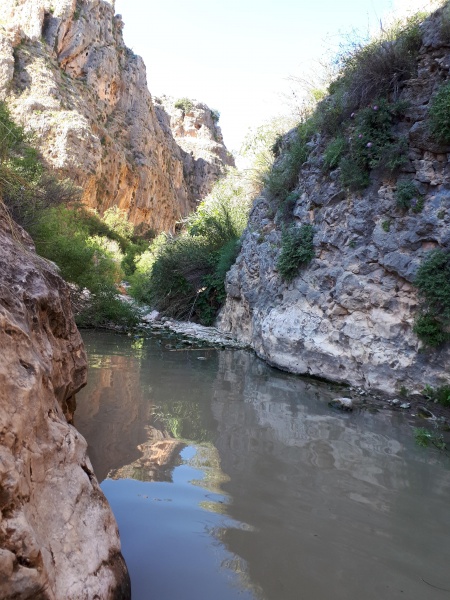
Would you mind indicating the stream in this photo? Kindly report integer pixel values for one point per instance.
(232, 480)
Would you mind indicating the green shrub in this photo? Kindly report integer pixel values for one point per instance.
(377, 68)
(433, 283)
(405, 192)
(439, 114)
(386, 226)
(429, 330)
(297, 250)
(353, 176)
(25, 188)
(177, 275)
(334, 152)
(215, 115)
(133, 251)
(213, 296)
(373, 144)
(184, 276)
(184, 104)
(440, 395)
(331, 111)
(61, 235)
(117, 221)
(286, 207)
(284, 174)
(104, 308)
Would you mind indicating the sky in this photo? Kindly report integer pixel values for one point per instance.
(237, 55)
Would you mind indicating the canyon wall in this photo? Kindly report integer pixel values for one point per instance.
(58, 536)
(68, 77)
(349, 315)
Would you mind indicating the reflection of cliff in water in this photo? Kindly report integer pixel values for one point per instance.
(113, 411)
(160, 455)
(330, 498)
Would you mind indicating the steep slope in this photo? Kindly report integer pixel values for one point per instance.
(58, 536)
(69, 78)
(349, 315)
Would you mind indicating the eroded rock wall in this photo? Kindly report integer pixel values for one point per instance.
(200, 138)
(349, 315)
(58, 536)
(68, 77)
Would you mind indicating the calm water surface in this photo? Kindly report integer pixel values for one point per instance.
(231, 480)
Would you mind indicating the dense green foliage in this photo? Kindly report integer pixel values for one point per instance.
(87, 249)
(439, 114)
(334, 152)
(25, 188)
(441, 395)
(433, 283)
(184, 276)
(89, 256)
(184, 104)
(297, 250)
(406, 191)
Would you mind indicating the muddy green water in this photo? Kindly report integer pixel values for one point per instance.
(231, 480)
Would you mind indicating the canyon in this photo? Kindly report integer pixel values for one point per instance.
(69, 79)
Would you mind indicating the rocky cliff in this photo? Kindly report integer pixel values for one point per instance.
(69, 78)
(58, 536)
(349, 315)
(194, 127)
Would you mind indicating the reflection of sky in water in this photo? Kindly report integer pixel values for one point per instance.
(171, 534)
(248, 481)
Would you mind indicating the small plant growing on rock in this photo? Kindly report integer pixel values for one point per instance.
(405, 192)
(284, 174)
(439, 114)
(386, 225)
(287, 206)
(370, 143)
(440, 395)
(215, 115)
(333, 152)
(433, 283)
(297, 250)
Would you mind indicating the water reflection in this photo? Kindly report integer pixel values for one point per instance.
(273, 495)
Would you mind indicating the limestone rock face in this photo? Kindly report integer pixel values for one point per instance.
(200, 138)
(68, 77)
(58, 536)
(349, 315)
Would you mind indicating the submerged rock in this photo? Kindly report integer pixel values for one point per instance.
(58, 536)
(345, 404)
(424, 413)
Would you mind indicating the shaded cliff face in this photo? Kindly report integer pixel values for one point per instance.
(348, 316)
(68, 77)
(58, 536)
